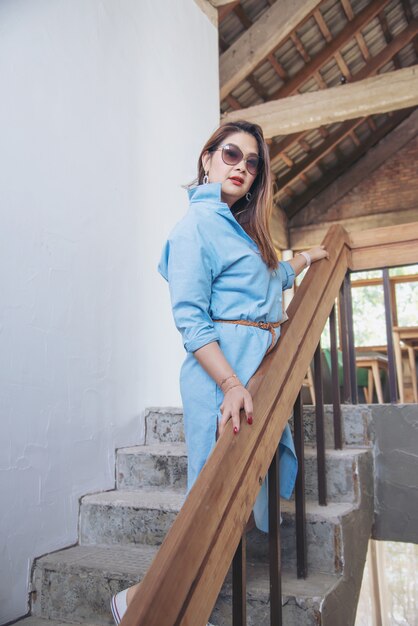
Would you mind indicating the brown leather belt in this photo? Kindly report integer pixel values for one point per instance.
(270, 326)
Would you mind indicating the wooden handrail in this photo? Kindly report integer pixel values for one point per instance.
(184, 580)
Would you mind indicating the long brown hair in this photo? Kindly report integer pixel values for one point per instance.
(253, 215)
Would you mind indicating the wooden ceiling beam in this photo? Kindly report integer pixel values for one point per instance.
(315, 189)
(264, 36)
(379, 94)
(330, 50)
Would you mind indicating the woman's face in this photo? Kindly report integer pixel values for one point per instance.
(236, 179)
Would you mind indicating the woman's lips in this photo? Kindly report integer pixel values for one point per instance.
(236, 182)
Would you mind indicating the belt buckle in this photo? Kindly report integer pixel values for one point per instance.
(262, 325)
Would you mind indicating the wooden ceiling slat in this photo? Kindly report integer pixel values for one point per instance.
(319, 153)
(355, 139)
(326, 180)
(342, 65)
(329, 51)
(253, 46)
(289, 162)
(234, 103)
(300, 48)
(348, 10)
(406, 4)
(372, 124)
(278, 67)
(225, 10)
(305, 146)
(242, 16)
(388, 37)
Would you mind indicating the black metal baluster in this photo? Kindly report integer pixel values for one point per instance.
(301, 544)
(389, 337)
(336, 400)
(351, 346)
(320, 430)
(274, 542)
(239, 584)
(344, 344)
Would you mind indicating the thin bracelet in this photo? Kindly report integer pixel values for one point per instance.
(307, 258)
(227, 378)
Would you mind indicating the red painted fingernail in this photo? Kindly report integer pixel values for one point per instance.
(235, 429)
(250, 420)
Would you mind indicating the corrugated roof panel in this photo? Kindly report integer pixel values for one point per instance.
(352, 56)
(331, 73)
(334, 17)
(290, 58)
(311, 37)
(254, 8)
(374, 37)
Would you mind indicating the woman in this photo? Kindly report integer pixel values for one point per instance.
(226, 288)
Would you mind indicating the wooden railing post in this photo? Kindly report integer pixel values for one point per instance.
(274, 541)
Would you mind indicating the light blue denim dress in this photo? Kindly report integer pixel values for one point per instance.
(215, 272)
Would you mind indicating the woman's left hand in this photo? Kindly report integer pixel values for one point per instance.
(318, 253)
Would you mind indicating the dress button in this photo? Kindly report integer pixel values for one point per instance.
(274, 273)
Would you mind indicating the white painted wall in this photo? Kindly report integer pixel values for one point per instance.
(104, 107)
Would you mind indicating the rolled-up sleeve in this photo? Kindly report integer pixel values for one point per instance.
(287, 273)
(186, 264)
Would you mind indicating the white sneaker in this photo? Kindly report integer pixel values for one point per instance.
(119, 606)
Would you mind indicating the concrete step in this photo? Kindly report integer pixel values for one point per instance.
(165, 425)
(144, 517)
(76, 585)
(32, 620)
(129, 517)
(165, 465)
(153, 465)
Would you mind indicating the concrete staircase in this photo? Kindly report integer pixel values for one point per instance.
(120, 531)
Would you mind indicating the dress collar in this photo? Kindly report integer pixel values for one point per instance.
(209, 192)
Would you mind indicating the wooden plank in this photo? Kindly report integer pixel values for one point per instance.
(387, 92)
(320, 207)
(373, 248)
(207, 530)
(376, 257)
(380, 237)
(253, 46)
(302, 237)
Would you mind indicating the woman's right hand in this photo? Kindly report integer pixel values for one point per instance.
(235, 399)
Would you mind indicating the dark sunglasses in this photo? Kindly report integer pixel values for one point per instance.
(232, 155)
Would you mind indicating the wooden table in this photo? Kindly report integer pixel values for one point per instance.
(408, 335)
(373, 362)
